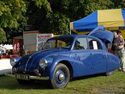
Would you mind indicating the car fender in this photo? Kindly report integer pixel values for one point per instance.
(55, 62)
(114, 62)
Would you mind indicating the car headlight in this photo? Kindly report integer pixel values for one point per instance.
(43, 63)
(13, 61)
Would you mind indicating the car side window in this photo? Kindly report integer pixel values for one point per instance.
(80, 44)
(94, 44)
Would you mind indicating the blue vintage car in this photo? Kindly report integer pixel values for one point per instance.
(66, 57)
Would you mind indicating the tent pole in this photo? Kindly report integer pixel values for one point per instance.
(70, 32)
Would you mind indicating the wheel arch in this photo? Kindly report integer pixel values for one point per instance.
(65, 62)
(69, 66)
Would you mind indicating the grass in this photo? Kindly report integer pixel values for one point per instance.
(99, 84)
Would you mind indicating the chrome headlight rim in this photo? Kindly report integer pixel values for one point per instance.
(43, 63)
(13, 61)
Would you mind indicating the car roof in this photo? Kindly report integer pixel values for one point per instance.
(69, 37)
(105, 36)
(72, 35)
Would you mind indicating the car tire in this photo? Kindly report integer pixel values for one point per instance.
(23, 82)
(61, 76)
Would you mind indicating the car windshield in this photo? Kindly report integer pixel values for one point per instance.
(63, 42)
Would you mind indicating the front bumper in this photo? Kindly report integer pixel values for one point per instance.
(27, 77)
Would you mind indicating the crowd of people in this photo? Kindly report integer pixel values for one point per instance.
(118, 48)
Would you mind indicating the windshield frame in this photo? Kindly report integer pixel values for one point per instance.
(67, 39)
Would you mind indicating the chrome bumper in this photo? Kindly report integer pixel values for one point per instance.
(28, 77)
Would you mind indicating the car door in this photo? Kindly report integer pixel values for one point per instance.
(92, 56)
(81, 55)
(97, 56)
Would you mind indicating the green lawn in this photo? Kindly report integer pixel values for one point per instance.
(114, 84)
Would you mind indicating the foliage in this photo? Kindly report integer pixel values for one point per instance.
(119, 3)
(2, 35)
(97, 5)
(59, 23)
(11, 14)
(54, 15)
(43, 3)
(37, 12)
(48, 16)
(76, 9)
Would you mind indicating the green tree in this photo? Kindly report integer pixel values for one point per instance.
(37, 12)
(93, 5)
(2, 35)
(58, 23)
(119, 3)
(76, 9)
(48, 16)
(11, 16)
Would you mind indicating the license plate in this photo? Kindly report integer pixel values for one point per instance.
(21, 76)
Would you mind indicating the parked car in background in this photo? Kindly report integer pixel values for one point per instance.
(65, 57)
(5, 50)
(1, 51)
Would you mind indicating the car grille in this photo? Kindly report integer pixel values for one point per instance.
(26, 65)
(23, 60)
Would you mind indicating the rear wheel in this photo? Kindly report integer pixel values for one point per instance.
(61, 76)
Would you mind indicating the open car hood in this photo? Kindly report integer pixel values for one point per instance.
(105, 35)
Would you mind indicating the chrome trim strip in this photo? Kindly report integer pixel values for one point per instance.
(30, 77)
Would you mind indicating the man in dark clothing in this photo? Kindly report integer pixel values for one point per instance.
(119, 48)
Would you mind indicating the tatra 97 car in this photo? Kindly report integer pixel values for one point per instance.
(66, 57)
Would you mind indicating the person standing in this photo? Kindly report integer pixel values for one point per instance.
(114, 43)
(119, 50)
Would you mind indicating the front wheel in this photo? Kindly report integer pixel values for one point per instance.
(61, 76)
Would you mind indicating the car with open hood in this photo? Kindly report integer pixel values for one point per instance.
(68, 56)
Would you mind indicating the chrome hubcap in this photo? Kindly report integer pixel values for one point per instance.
(61, 77)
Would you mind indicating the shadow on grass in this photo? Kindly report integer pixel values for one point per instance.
(87, 77)
(11, 83)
